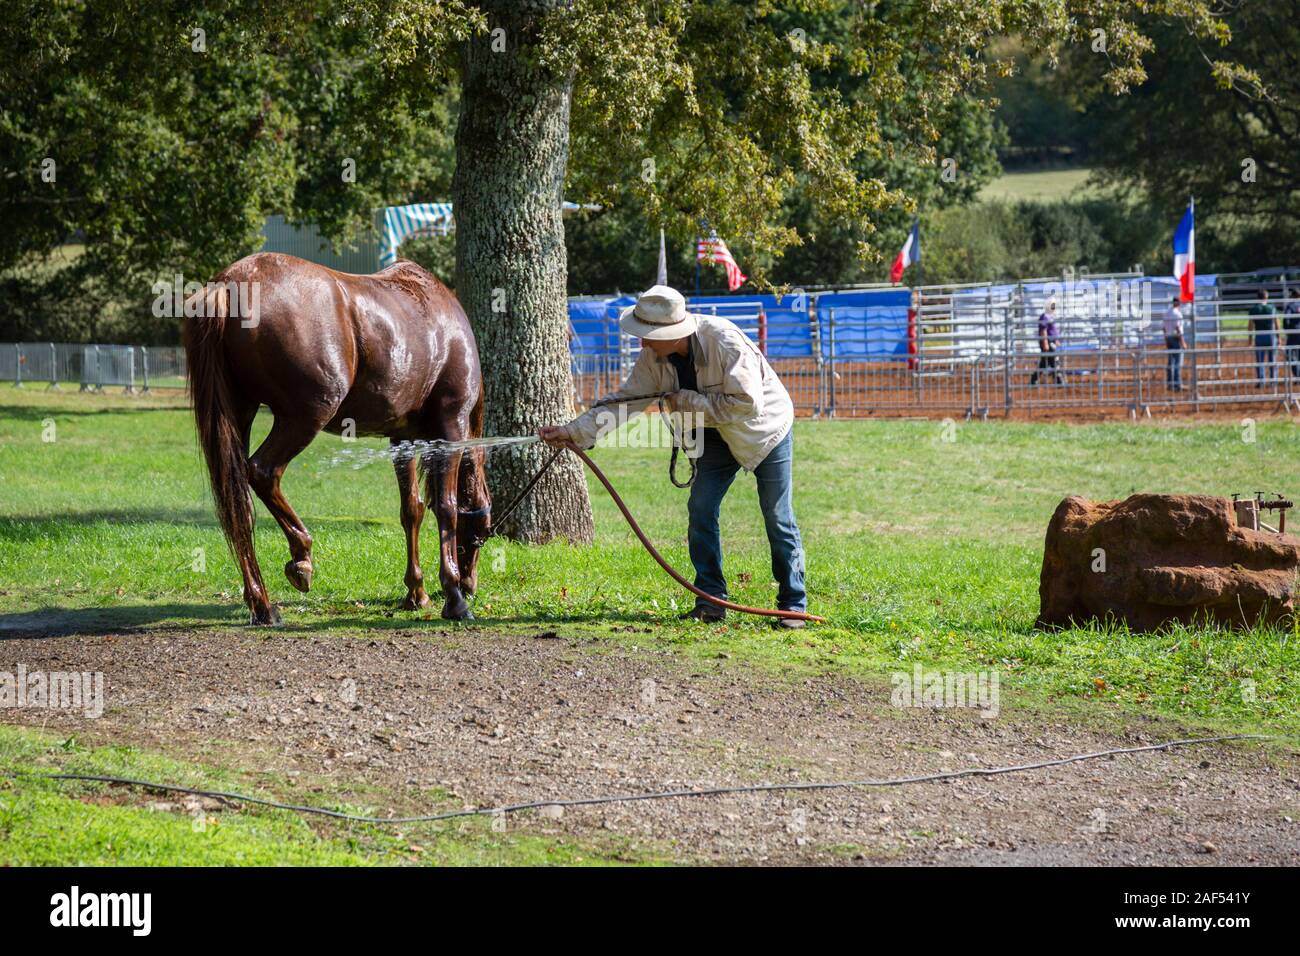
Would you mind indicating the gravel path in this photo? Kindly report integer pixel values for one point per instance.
(504, 718)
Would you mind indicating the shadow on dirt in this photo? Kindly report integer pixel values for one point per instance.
(406, 620)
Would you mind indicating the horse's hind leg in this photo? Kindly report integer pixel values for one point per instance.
(474, 520)
(257, 597)
(285, 441)
(408, 486)
(444, 473)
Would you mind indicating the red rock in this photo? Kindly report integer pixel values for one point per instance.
(1163, 558)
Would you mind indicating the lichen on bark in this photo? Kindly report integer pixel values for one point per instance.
(512, 147)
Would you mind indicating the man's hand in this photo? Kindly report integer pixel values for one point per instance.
(557, 436)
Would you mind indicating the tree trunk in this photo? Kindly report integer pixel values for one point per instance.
(512, 147)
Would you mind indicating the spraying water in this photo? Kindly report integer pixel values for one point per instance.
(358, 458)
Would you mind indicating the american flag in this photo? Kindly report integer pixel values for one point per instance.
(714, 249)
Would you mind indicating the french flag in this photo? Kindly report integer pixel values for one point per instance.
(910, 254)
(1185, 255)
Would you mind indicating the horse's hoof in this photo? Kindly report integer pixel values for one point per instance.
(458, 611)
(266, 617)
(414, 602)
(299, 574)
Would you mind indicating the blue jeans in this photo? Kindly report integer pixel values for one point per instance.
(716, 469)
(1264, 358)
(1173, 362)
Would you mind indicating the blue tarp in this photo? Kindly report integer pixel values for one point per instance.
(788, 331)
(869, 324)
(593, 332)
(595, 321)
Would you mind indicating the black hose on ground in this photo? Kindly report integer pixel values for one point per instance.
(637, 797)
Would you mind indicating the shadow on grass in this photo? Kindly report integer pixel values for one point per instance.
(24, 529)
(63, 622)
(38, 413)
(21, 527)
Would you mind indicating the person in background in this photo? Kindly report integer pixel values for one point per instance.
(1049, 341)
(1291, 323)
(1263, 330)
(1174, 344)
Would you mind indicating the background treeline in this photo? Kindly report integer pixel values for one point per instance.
(151, 141)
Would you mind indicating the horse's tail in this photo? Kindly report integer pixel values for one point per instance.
(476, 417)
(215, 416)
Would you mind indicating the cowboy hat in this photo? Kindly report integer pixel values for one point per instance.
(659, 313)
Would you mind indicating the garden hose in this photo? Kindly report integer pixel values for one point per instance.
(641, 536)
(672, 572)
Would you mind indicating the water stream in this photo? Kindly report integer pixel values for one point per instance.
(360, 457)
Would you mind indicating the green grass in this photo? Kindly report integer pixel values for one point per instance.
(1045, 186)
(44, 822)
(917, 550)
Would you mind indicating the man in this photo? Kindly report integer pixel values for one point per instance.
(1174, 344)
(1049, 340)
(713, 372)
(1263, 327)
(1291, 323)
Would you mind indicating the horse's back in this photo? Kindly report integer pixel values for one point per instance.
(369, 348)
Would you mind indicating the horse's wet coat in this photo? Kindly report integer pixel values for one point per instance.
(388, 354)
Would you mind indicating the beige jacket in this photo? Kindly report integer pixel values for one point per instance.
(739, 393)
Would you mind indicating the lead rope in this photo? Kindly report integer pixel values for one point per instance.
(678, 439)
(678, 442)
(497, 521)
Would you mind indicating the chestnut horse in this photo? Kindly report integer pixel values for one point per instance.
(386, 354)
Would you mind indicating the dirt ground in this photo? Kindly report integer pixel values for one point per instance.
(510, 718)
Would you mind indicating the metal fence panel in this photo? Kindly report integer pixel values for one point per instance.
(971, 349)
(974, 348)
(92, 367)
